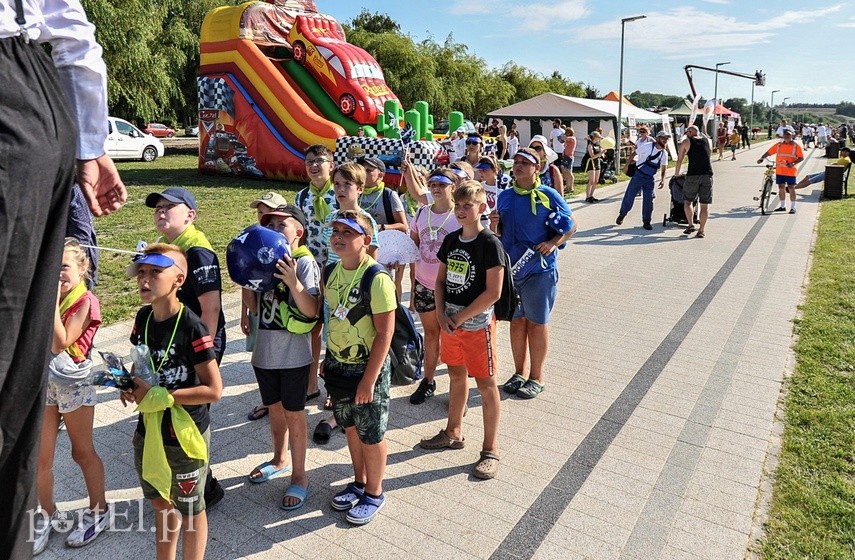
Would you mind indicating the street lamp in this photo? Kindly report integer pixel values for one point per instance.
(623, 23)
(715, 107)
(772, 108)
(784, 102)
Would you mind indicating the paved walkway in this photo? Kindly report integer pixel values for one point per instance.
(651, 440)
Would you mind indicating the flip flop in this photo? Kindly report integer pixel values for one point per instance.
(268, 472)
(323, 433)
(258, 413)
(294, 491)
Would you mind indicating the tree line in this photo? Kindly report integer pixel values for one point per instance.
(151, 48)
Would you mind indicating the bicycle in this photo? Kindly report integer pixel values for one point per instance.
(766, 189)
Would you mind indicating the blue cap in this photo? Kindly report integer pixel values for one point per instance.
(351, 223)
(175, 195)
(154, 259)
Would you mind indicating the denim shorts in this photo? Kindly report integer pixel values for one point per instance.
(537, 296)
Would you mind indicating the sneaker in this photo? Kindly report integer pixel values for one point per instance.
(792, 210)
(42, 530)
(780, 209)
(620, 218)
(348, 497)
(425, 390)
(90, 526)
(366, 509)
(214, 495)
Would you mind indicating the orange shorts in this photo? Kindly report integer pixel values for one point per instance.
(475, 350)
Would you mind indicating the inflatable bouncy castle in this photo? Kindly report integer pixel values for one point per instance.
(277, 77)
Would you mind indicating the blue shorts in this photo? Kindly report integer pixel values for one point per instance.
(537, 296)
(784, 180)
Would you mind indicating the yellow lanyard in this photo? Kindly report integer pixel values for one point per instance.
(171, 339)
(342, 296)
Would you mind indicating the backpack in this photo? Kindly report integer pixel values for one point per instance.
(508, 302)
(407, 347)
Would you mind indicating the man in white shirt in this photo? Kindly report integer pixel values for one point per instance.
(821, 136)
(459, 145)
(556, 137)
(650, 158)
(53, 122)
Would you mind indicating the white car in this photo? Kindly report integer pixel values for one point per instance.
(126, 141)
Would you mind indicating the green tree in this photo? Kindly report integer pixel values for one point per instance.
(373, 23)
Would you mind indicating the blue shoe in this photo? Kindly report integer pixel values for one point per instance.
(366, 509)
(266, 471)
(295, 491)
(348, 497)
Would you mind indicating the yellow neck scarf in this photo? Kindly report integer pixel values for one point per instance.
(320, 205)
(155, 467)
(192, 237)
(67, 302)
(536, 195)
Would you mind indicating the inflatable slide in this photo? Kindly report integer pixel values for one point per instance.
(275, 78)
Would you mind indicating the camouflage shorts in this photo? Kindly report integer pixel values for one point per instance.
(370, 420)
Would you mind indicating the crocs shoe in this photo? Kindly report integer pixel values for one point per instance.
(530, 390)
(366, 509)
(513, 384)
(348, 497)
(442, 441)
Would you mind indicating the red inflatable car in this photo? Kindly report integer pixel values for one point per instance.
(346, 72)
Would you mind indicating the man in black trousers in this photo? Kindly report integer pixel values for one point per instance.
(53, 125)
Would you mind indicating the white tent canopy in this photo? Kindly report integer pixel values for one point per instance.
(578, 110)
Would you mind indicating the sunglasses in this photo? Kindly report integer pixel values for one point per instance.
(537, 148)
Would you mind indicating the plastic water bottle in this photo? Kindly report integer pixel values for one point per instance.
(141, 356)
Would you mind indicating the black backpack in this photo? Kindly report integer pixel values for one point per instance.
(407, 348)
(508, 302)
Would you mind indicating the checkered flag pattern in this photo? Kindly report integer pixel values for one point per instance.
(348, 148)
(215, 93)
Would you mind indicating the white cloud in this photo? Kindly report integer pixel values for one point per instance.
(472, 7)
(717, 1)
(539, 16)
(714, 31)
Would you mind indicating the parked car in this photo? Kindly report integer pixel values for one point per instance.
(349, 75)
(159, 130)
(125, 141)
(192, 130)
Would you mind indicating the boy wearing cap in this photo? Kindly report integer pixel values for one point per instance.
(488, 175)
(788, 155)
(174, 213)
(650, 158)
(534, 222)
(283, 355)
(357, 368)
(172, 438)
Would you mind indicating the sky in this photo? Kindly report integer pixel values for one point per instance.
(798, 45)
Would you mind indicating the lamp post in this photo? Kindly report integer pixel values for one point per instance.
(715, 107)
(618, 136)
(784, 103)
(772, 108)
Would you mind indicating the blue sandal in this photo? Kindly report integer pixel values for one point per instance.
(268, 472)
(295, 491)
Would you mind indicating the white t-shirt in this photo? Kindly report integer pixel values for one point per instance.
(645, 151)
(557, 137)
(513, 146)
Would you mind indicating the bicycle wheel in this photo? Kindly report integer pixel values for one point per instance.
(764, 196)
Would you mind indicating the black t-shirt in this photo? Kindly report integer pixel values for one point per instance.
(699, 157)
(203, 277)
(467, 263)
(191, 346)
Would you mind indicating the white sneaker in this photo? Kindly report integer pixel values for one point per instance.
(90, 526)
(42, 530)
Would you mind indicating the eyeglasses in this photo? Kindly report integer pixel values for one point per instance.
(313, 162)
(471, 142)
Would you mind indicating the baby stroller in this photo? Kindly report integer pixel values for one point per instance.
(607, 167)
(677, 214)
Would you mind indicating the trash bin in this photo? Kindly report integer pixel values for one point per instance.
(832, 151)
(833, 181)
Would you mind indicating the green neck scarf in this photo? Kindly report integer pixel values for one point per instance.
(412, 204)
(192, 237)
(155, 467)
(67, 302)
(535, 194)
(375, 189)
(301, 251)
(320, 205)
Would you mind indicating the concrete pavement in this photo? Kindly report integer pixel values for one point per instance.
(653, 439)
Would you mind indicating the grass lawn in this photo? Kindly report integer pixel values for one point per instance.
(223, 212)
(813, 503)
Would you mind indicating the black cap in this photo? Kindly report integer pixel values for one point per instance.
(288, 211)
(374, 162)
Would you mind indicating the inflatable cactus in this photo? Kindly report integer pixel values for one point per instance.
(388, 123)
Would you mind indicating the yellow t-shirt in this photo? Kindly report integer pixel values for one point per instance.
(350, 336)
